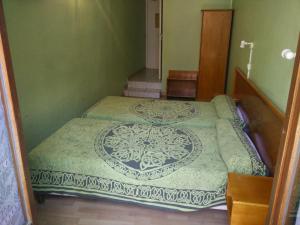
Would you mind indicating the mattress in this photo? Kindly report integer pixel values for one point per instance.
(157, 165)
(181, 113)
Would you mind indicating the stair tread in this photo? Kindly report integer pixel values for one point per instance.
(141, 84)
(146, 82)
(146, 75)
(143, 89)
(142, 93)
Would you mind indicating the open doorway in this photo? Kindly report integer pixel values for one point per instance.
(146, 83)
(153, 36)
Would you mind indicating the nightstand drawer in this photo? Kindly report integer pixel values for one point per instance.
(248, 214)
(248, 199)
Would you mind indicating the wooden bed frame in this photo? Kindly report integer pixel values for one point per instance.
(265, 120)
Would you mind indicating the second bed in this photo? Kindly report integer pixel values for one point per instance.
(179, 113)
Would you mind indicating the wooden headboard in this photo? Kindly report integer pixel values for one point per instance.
(265, 120)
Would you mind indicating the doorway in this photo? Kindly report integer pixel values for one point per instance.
(146, 83)
(154, 36)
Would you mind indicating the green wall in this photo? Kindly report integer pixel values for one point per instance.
(272, 25)
(181, 36)
(69, 53)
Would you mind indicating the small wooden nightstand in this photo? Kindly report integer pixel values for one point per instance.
(248, 199)
(182, 84)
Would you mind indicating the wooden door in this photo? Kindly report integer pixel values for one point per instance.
(215, 38)
(16, 198)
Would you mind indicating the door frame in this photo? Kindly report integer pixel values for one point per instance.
(13, 123)
(160, 56)
(160, 36)
(289, 153)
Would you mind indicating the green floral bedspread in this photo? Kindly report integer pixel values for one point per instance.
(181, 113)
(157, 165)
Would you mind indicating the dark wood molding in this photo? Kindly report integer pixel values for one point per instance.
(288, 152)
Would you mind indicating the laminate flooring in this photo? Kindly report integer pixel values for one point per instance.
(76, 211)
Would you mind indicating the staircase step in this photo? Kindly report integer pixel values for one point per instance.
(144, 85)
(142, 92)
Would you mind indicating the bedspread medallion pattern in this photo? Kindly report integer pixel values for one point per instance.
(164, 112)
(146, 160)
(147, 152)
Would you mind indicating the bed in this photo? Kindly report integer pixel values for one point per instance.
(153, 111)
(157, 164)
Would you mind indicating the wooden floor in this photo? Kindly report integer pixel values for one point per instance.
(73, 211)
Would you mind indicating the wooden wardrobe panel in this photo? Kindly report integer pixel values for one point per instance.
(215, 39)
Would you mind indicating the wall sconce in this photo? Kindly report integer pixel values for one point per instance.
(245, 44)
(288, 54)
